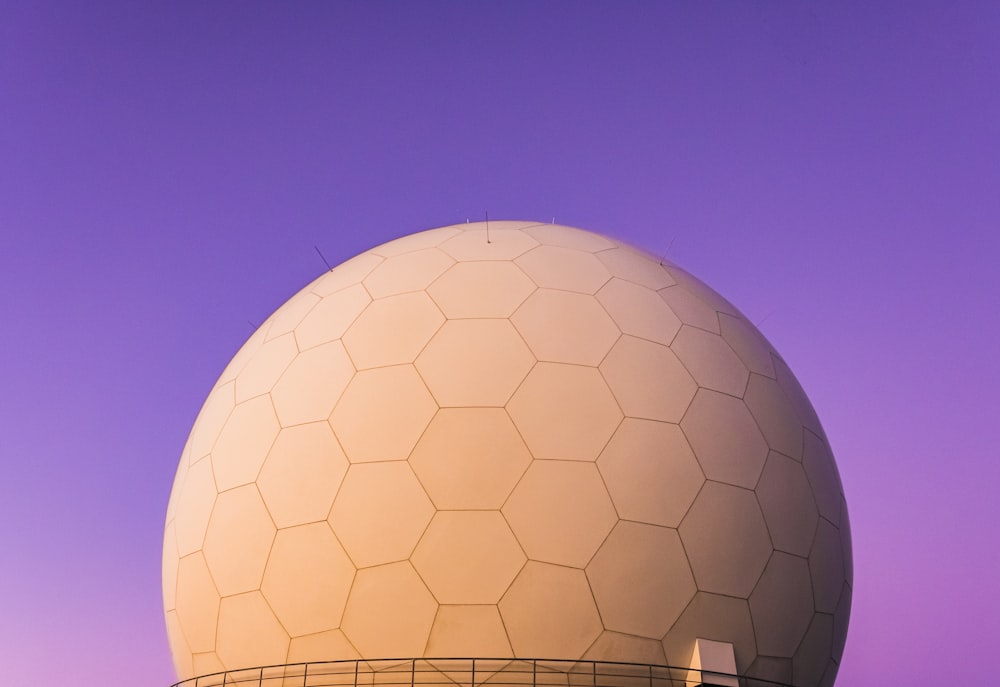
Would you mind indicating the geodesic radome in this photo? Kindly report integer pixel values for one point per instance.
(540, 443)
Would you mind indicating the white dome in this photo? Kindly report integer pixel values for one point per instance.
(536, 442)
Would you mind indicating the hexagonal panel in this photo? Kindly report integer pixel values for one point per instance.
(346, 274)
(796, 396)
(331, 317)
(564, 412)
(238, 540)
(180, 651)
(418, 241)
(392, 330)
(648, 380)
(289, 315)
(197, 603)
(639, 311)
(701, 291)
(711, 616)
(380, 513)
(407, 272)
(690, 309)
(481, 289)
(771, 669)
(650, 472)
(389, 612)
(749, 344)
(382, 414)
(468, 557)
(788, 505)
(249, 634)
(470, 458)
(813, 654)
(726, 540)
(474, 363)
(264, 368)
(244, 442)
(310, 387)
(307, 579)
(565, 327)
(841, 617)
(725, 439)
(468, 631)
(569, 237)
(169, 570)
(211, 420)
(782, 605)
(301, 474)
(554, 267)
(505, 242)
(194, 507)
(614, 646)
(321, 646)
(206, 664)
(560, 512)
(826, 567)
(774, 415)
(823, 478)
(711, 361)
(641, 579)
(549, 611)
(626, 263)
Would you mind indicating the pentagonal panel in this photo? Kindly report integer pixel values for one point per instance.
(244, 442)
(826, 566)
(382, 414)
(197, 603)
(310, 387)
(648, 380)
(504, 241)
(474, 363)
(650, 472)
(564, 412)
(690, 309)
(211, 419)
(628, 264)
(380, 513)
(392, 330)
(481, 289)
(775, 416)
(554, 267)
(468, 557)
(549, 611)
(813, 654)
(470, 458)
(389, 612)
(302, 474)
(569, 237)
(823, 478)
(614, 646)
(710, 360)
(345, 275)
(407, 272)
(249, 634)
(468, 631)
(331, 317)
(289, 315)
(788, 505)
(417, 242)
(726, 540)
(565, 327)
(725, 438)
(711, 616)
(641, 579)
(639, 311)
(321, 646)
(560, 512)
(782, 605)
(748, 343)
(238, 540)
(194, 507)
(264, 368)
(307, 579)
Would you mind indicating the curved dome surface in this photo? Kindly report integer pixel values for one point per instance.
(532, 442)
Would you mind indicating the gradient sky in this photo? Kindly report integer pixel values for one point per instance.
(167, 168)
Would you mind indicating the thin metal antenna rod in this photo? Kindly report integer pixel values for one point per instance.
(330, 269)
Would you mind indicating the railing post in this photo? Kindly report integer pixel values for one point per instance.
(473, 672)
(593, 667)
(356, 672)
(305, 674)
(534, 672)
(413, 671)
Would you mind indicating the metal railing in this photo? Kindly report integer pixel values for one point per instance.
(470, 672)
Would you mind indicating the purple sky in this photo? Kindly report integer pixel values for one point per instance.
(166, 169)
